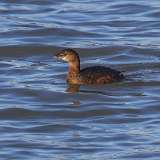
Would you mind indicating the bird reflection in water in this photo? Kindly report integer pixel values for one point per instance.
(73, 88)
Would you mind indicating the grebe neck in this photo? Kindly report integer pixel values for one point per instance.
(74, 68)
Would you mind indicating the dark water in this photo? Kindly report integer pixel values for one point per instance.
(40, 118)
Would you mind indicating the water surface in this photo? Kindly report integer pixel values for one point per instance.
(41, 117)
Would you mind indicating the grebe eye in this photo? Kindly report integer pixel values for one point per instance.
(61, 55)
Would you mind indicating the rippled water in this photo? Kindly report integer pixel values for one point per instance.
(41, 117)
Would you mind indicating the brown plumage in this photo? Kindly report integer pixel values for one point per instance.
(89, 75)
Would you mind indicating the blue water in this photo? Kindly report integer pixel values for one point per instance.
(42, 117)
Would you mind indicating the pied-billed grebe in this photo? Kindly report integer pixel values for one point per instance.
(89, 75)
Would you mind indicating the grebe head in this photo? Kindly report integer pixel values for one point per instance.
(68, 55)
